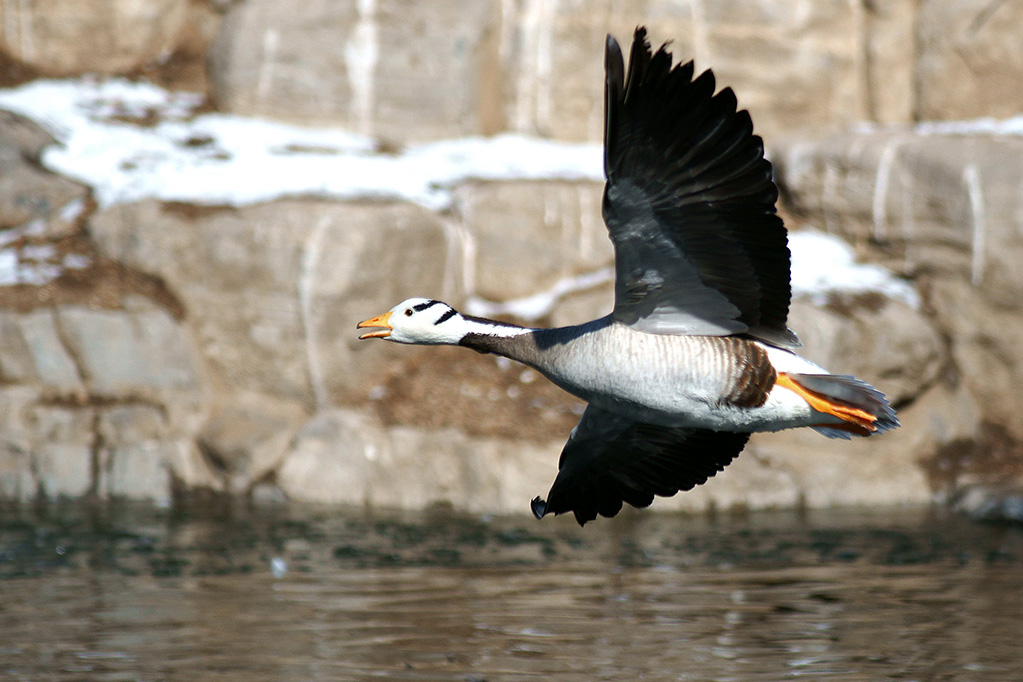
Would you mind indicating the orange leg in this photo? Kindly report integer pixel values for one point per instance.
(857, 421)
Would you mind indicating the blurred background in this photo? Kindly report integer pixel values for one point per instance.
(200, 198)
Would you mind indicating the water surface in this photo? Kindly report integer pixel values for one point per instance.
(128, 593)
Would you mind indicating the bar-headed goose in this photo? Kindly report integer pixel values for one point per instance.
(696, 354)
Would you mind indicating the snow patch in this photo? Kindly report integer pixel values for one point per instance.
(823, 264)
(1009, 127)
(134, 141)
(531, 308)
(131, 141)
(979, 126)
(37, 263)
(28, 265)
(9, 268)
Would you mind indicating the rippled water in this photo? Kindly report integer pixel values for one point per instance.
(135, 594)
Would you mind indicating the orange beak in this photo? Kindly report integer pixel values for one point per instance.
(378, 321)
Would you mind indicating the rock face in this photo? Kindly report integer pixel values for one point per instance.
(403, 72)
(969, 63)
(940, 204)
(55, 38)
(95, 402)
(331, 62)
(153, 349)
(941, 207)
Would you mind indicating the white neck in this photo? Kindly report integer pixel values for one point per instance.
(449, 329)
(464, 326)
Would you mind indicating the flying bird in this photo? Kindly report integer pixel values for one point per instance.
(696, 354)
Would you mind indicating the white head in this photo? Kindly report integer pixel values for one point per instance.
(429, 322)
(421, 321)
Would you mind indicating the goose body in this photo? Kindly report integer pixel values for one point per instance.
(696, 354)
(670, 380)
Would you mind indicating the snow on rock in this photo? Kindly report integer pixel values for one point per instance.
(37, 264)
(131, 141)
(531, 308)
(823, 264)
(1010, 127)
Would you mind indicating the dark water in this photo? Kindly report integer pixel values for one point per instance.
(135, 594)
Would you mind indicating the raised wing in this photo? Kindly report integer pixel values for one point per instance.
(689, 204)
(609, 460)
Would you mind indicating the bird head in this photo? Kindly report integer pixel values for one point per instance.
(417, 320)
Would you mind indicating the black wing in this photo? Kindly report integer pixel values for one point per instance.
(609, 460)
(689, 204)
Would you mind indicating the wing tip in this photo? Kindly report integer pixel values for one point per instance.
(541, 508)
(639, 35)
(611, 47)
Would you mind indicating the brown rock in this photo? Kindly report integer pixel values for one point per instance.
(936, 202)
(793, 65)
(273, 292)
(944, 208)
(91, 36)
(137, 452)
(970, 61)
(246, 436)
(986, 343)
(21, 139)
(348, 457)
(885, 342)
(528, 235)
(34, 353)
(889, 59)
(214, 347)
(62, 448)
(140, 351)
(407, 71)
(34, 203)
(885, 469)
(332, 459)
(16, 475)
(480, 395)
(393, 69)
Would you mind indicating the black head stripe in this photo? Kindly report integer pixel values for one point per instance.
(420, 307)
(446, 316)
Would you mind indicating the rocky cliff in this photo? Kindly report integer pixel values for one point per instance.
(182, 266)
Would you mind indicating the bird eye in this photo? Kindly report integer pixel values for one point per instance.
(408, 312)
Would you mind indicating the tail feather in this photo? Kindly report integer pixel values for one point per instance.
(862, 408)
